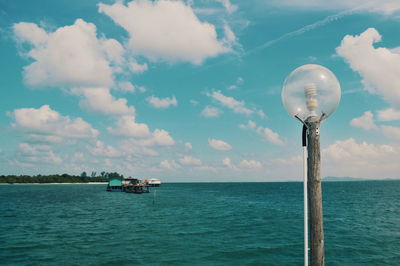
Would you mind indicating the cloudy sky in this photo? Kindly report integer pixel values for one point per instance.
(191, 90)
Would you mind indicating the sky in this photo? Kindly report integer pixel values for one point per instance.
(190, 91)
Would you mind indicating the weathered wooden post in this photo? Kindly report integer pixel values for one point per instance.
(315, 191)
(311, 93)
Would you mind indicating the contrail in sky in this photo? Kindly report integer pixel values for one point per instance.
(302, 30)
(291, 34)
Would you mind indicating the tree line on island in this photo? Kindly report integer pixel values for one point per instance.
(64, 178)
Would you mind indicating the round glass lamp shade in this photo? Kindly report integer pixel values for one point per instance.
(311, 90)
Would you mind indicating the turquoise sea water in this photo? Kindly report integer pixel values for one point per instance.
(196, 224)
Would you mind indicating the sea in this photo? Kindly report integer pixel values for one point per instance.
(196, 224)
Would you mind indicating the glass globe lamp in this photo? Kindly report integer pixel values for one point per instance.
(311, 91)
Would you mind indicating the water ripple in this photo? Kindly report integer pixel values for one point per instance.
(195, 224)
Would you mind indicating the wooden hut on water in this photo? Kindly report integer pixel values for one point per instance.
(114, 185)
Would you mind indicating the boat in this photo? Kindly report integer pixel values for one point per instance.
(152, 182)
(134, 185)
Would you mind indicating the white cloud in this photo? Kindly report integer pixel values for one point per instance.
(37, 154)
(100, 149)
(230, 8)
(126, 86)
(232, 87)
(288, 162)
(70, 56)
(132, 146)
(265, 133)
(250, 125)
(30, 32)
(210, 111)
(312, 59)
(169, 165)
(137, 68)
(162, 102)
(366, 121)
(219, 145)
(230, 37)
(141, 89)
(194, 102)
(189, 160)
(165, 30)
(271, 136)
(389, 115)
(205, 168)
(349, 148)
(107, 162)
(140, 136)
(239, 81)
(188, 146)
(205, 11)
(250, 164)
(126, 126)
(78, 157)
(381, 6)
(148, 151)
(38, 138)
(261, 113)
(231, 103)
(100, 100)
(228, 163)
(391, 132)
(379, 67)
(165, 164)
(349, 158)
(46, 121)
(159, 137)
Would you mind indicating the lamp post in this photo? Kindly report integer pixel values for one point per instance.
(311, 93)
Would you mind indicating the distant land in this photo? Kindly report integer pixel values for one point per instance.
(347, 178)
(56, 178)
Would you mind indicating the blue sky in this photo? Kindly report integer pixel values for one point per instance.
(191, 90)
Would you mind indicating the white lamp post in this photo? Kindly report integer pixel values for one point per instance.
(311, 93)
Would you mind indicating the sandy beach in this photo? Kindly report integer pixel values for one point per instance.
(89, 183)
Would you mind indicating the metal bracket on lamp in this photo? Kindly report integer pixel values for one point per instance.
(301, 120)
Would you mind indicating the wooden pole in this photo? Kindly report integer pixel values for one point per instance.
(315, 192)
